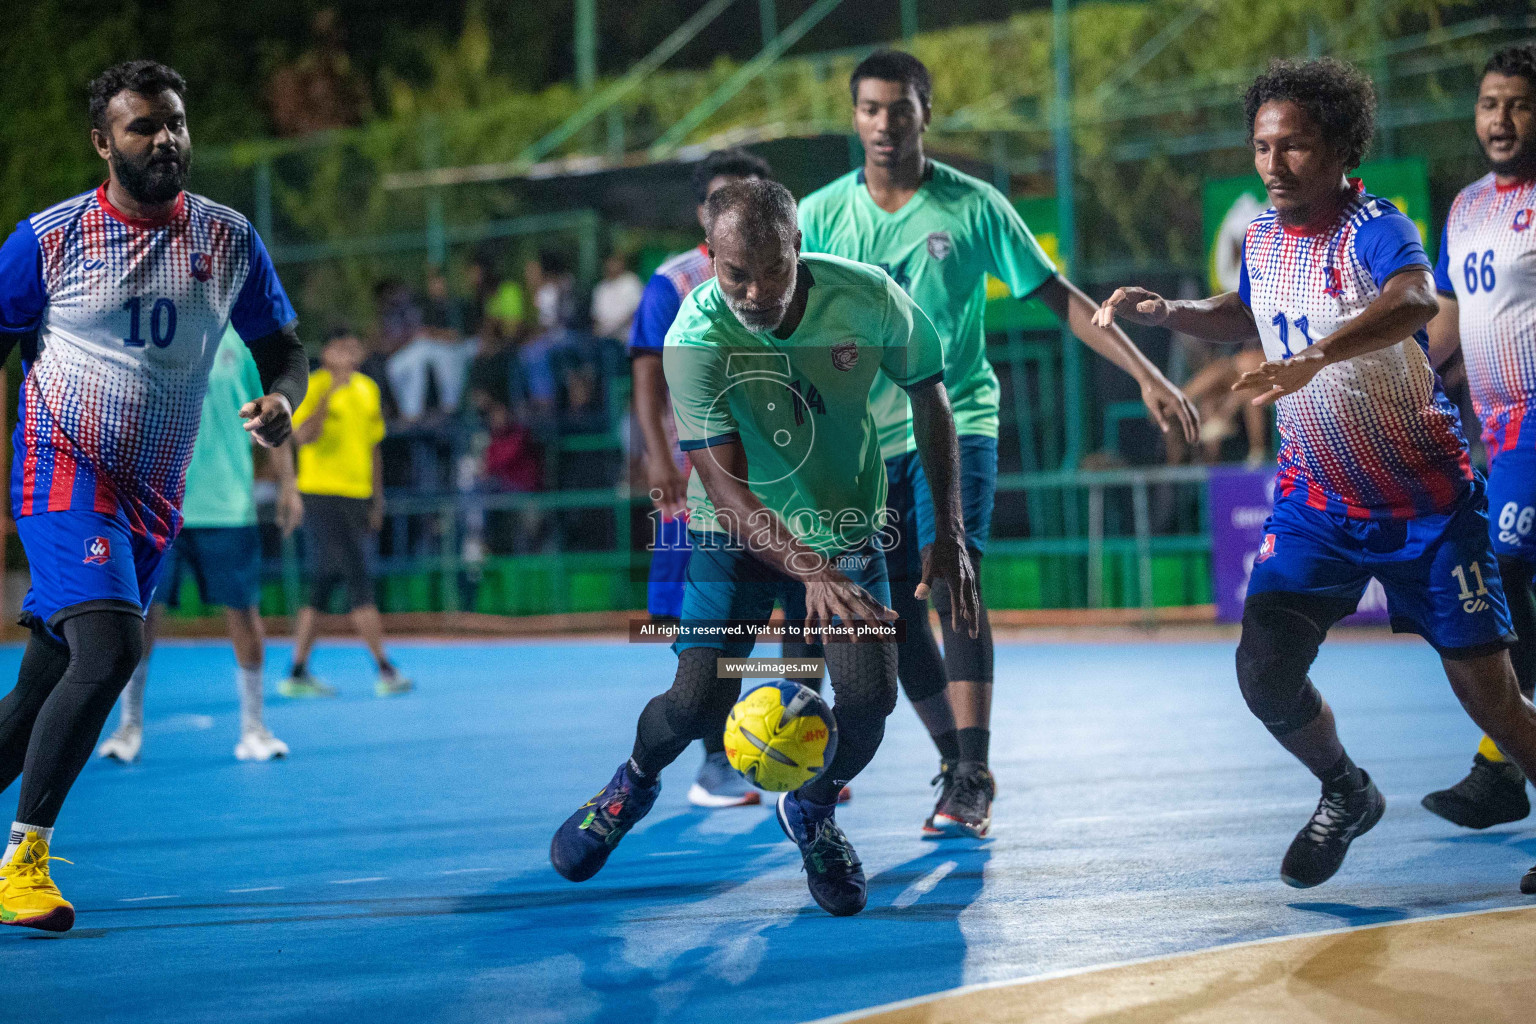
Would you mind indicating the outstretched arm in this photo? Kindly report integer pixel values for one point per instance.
(1222, 318)
(1164, 402)
(1406, 303)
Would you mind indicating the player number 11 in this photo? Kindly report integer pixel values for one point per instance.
(1461, 578)
(1285, 332)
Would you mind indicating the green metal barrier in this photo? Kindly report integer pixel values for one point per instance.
(1091, 544)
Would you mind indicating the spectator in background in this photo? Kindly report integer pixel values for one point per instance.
(437, 351)
(615, 299)
(338, 428)
(399, 315)
(550, 282)
(553, 287)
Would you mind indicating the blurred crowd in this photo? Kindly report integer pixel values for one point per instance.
(499, 382)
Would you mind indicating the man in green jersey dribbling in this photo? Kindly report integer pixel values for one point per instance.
(939, 233)
(771, 367)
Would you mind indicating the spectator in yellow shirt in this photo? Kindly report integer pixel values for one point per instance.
(338, 428)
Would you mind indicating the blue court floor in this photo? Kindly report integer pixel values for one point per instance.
(395, 868)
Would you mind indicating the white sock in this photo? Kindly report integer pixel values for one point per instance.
(132, 715)
(248, 681)
(19, 830)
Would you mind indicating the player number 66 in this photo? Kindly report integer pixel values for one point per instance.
(1513, 517)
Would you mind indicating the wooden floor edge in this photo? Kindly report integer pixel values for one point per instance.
(963, 1003)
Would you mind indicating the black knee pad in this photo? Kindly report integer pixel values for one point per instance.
(104, 646)
(863, 678)
(964, 657)
(918, 660)
(699, 700)
(1281, 635)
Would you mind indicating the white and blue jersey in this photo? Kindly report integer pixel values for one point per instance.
(659, 304)
(127, 315)
(1373, 437)
(1488, 262)
(1375, 478)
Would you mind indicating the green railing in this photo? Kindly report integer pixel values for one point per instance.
(1094, 540)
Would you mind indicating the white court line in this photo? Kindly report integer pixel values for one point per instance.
(259, 888)
(903, 1004)
(141, 899)
(354, 881)
(468, 871)
(923, 886)
(671, 853)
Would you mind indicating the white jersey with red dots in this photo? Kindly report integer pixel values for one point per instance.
(127, 315)
(1488, 262)
(1372, 437)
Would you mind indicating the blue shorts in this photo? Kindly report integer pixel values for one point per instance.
(1512, 504)
(86, 561)
(726, 585)
(669, 568)
(1438, 571)
(224, 561)
(909, 498)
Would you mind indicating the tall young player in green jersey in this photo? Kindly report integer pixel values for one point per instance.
(939, 233)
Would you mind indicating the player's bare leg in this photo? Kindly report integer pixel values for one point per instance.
(300, 683)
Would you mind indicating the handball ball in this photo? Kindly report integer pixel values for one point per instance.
(780, 736)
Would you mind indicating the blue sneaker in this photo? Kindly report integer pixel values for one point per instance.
(832, 868)
(581, 846)
(720, 785)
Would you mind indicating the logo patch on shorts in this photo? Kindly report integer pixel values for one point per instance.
(1267, 549)
(845, 354)
(97, 550)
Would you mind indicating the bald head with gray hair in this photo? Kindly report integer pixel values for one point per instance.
(754, 240)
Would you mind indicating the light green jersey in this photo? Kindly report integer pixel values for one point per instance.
(939, 248)
(800, 405)
(220, 475)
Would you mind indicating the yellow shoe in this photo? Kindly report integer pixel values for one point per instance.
(28, 897)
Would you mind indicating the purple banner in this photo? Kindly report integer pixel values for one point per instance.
(1240, 501)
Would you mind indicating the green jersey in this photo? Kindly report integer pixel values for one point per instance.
(939, 247)
(800, 406)
(220, 475)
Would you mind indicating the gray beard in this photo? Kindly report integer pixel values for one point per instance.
(756, 326)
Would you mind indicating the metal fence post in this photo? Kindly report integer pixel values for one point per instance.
(1143, 521)
(1096, 546)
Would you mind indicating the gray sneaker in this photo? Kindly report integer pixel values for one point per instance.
(720, 785)
(392, 684)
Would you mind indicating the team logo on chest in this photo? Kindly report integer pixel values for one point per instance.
(97, 550)
(940, 245)
(845, 354)
(1333, 282)
(1522, 220)
(202, 266)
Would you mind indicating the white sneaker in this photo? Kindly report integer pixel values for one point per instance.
(260, 745)
(123, 745)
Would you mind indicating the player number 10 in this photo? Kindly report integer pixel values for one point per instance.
(162, 322)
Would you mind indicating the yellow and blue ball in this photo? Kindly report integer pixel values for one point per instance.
(781, 736)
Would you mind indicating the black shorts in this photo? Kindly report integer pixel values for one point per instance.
(337, 539)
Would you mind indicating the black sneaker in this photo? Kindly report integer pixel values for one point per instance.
(832, 868)
(1493, 793)
(1340, 819)
(582, 844)
(944, 781)
(966, 808)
